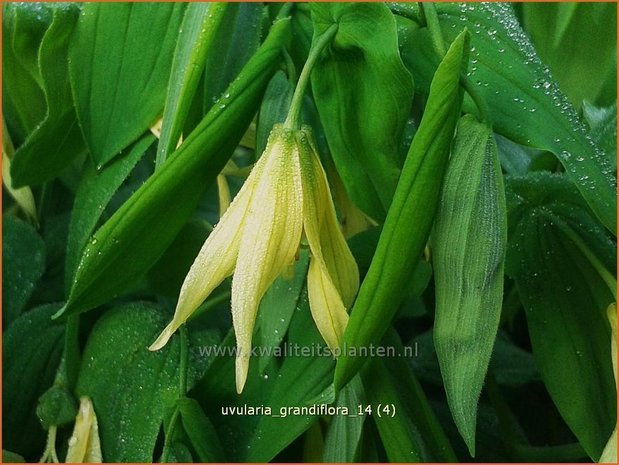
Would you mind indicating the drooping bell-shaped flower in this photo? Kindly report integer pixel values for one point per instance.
(285, 197)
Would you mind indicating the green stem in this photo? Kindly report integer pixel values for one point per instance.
(168, 435)
(595, 262)
(184, 363)
(182, 390)
(211, 303)
(71, 354)
(431, 18)
(292, 120)
(478, 100)
(290, 68)
(430, 15)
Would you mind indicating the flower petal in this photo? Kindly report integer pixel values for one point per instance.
(84, 445)
(271, 238)
(216, 260)
(333, 280)
(328, 310)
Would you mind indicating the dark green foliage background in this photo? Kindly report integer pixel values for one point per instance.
(121, 217)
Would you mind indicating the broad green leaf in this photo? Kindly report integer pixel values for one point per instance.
(119, 60)
(469, 244)
(363, 94)
(132, 240)
(525, 103)
(56, 141)
(237, 39)
(277, 308)
(31, 349)
(94, 192)
(23, 263)
(408, 429)
(578, 42)
(561, 282)
(201, 431)
(558, 195)
(300, 381)
(414, 203)
(195, 40)
(130, 387)
(344, 434)
(23, 102)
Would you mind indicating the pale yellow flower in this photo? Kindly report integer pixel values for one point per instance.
(84, 444)
(285, 197)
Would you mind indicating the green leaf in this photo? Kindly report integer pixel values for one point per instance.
(603, 124)
(96, 189)
(23, 260)
(344, 434)
(409, 430)
(274, 108)
(277, 308)
(510, 365)
(414, 203)
(57, 140)
(119, 60)
(130, 387)
(134, 238)
(237, 39)
(525, 103)
(561, 282)
(469, 244)
(168, 274)
(11, 457)
(195, 41)
(34, 344)
(363, 94)
(578, 42)
(201, 431)
(23, 102)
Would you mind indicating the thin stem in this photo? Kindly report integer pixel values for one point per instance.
(168, 435)
(292, 120)
(182, 388)
(71, 355)
(595, 262)
(50, 455)
(478, 100)
(431, 18)
(210, 303)
(291, 70)
(432, 22)
(184, 363)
